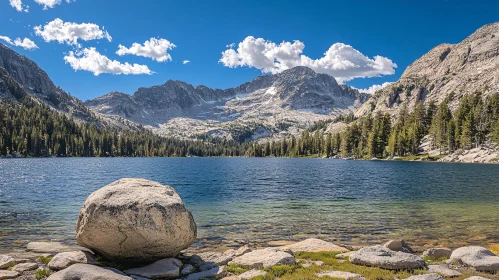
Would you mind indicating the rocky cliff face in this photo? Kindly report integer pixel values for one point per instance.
(447, 71)
(294, 98)
(24, 73)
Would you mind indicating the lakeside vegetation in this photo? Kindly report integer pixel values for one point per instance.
(34, 130)
(475, 121)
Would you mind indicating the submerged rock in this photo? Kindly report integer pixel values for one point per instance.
(88, 272)
(477, 257)
(314, 245)
(383, 257)
(165, 268)
(398, 245)
(265, 258)
(135, 219)
(53, 247)
(64, 260)
(437, 253)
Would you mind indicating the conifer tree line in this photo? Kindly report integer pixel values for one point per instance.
(34, 130)
(475, 121)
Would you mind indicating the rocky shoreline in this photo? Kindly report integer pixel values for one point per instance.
(139, 229)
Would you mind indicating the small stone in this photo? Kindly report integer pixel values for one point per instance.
(187, 269)
(208, 260)
(218, 272)
(22, 267)
(431, 276)
(398, 245)
(383, 257)
(314, 245)
(477, 257)
(6, 261)
(21, 260)
(476, 278)
(443, 270)
(265, 258)
(242, 250)
(88, 272)
(437, 253)
(135, 277)
(309, 263)
(64, 260)
(341, 275)
(251, 274)
(165, 268)
(7, 274)
(343, 255)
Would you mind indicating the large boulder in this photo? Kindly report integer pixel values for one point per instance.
(477, 257)
(88, 272)
(135, 219)
(380, 256)
(265, 258)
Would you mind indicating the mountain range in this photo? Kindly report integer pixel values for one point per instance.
(276, 105)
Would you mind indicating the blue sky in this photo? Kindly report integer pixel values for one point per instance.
(397, 31)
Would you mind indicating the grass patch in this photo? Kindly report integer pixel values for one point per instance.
(43, 273)
(237, 270)
(433, 260)
(43, 259)
(11, 266)
(437, 157)
(495, 249)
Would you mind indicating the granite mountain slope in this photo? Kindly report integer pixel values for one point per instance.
(447, 71)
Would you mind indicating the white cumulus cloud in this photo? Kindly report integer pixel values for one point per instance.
(70, 32)
(341, 61)
(185, 61)
(89, 59)
(156, 49)
(374, 88)
(50, 3)
(25, 43)
(18, 5)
